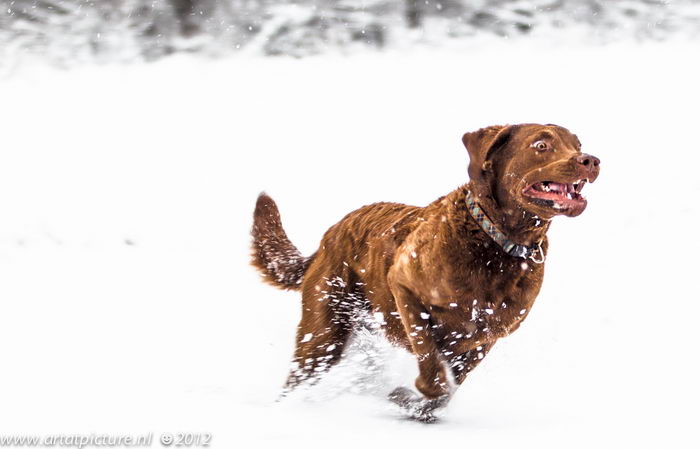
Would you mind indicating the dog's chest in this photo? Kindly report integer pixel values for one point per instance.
(499, 310)
(490, 302)
(471, 287)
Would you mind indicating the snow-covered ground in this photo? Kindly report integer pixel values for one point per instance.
(127, 304)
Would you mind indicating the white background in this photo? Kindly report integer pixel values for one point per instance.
(127, 304)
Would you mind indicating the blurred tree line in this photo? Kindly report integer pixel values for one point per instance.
(128, 29)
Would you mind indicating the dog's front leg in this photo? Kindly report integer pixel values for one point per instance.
(464, 363)
(432, 380)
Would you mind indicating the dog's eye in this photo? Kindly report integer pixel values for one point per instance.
(540, 145)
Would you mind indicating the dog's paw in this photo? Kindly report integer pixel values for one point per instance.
(402, 396)
(417, 407)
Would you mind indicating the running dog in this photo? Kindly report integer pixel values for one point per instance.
(451, 278)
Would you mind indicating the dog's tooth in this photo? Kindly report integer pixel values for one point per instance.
(579, 186)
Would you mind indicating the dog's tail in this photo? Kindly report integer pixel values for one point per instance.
(279, 261)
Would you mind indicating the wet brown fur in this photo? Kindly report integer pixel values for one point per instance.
(446, 290)
(274, 255)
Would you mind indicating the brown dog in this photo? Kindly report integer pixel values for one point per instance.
(450, 278)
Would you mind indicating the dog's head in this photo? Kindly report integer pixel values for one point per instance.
(538, 168)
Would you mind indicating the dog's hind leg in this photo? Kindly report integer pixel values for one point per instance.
(323, 331)
(320, 344)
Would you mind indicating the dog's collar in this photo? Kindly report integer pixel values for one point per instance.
(534, 253)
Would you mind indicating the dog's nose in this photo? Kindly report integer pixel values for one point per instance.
(588, 161)
(589, 165)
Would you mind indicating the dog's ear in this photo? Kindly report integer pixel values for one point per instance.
(481, 144)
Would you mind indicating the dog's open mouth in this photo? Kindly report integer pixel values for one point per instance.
(557, 194)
